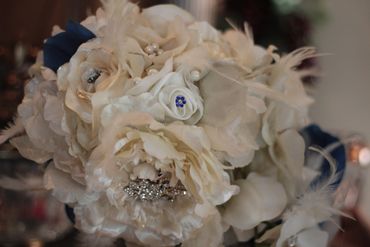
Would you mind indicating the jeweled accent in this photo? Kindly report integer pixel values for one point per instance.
(153, 50)
(147, 190)
(180, 101)
(93, 75)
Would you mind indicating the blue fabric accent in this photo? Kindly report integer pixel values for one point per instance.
(315, 136)
(59, 48)
(70, 213)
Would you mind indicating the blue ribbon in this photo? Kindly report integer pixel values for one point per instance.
(59, 48)
(70, 213)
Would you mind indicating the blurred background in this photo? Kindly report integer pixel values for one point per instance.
(338, 27)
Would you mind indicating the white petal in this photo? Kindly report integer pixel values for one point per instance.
(64, 188)
(260, 199)
(313, 237)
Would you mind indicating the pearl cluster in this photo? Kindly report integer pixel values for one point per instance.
(147, 190)
(153, 50)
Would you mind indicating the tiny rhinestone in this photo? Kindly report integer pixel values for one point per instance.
(93, 75)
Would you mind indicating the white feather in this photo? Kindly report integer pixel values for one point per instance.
(313, 205)
(12, 130)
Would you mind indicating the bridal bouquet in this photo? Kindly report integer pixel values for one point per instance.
(160, 130)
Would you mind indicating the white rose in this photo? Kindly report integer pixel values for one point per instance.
(179, 98)
(135, 149)
(91, 78)
(92, 69)
(167, 96)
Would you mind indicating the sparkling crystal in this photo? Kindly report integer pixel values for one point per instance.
(147, 190)
(92, 75)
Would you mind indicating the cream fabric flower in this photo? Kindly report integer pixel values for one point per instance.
(92, 69)
(41, 113)
(136, 147)
(91, 78)
(231, 119)
(260, 199)
(169, 99)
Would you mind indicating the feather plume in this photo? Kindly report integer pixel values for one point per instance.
(264, 90)
(12, 130)
(313, 205)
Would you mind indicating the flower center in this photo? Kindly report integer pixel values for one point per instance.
(147, 190)
(93, 75)
(180, 101)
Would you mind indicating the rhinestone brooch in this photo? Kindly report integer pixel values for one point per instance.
(147, 190)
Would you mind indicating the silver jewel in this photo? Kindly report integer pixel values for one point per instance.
(92, 75)
(147, 190)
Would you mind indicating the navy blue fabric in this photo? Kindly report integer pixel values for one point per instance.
(70, 213)
(59, 48)
(315, 136)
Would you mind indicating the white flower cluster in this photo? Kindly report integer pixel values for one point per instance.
(164, 131)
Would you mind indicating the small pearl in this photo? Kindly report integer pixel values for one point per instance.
(155, 46)
(152, 71)
(195, 75)
(137, 79)
(159, 51)
(149, 49)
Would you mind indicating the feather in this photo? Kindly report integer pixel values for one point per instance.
(12, 130)
(93, 240)
(264, 90)
(313, 205)
(32, 183)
